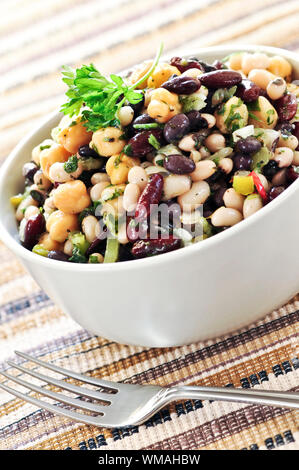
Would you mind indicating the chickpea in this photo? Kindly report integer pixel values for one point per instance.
(99, 178)
(131, 196)
(283, 156)
(252, 204)
(108, 141)
(74, 136)
(175, 185)
(234, 106)
(36, 152)
(215, 142)
(225, 217)
(235, 61)
(71, 197)
(138, 175)
(261, 77)
(28, 201)
(198, 194)
(118, 167)
(41, 181)
(125, 115)
(280, 66)
(48, 244)
(59, 225)
(233, 199)
(203, 170)
(90, 228)
(97, 189)
(296, 158)
(226, 165)
(290, 141)
(266, 116)
(58, 174)
(139, 73)
(48, 157)
(31, 211)
(161, 74)
(276, 88)
(163, 105)
(254, 61)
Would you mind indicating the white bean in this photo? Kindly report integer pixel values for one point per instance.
(198, 194)
(210, 118)
(233, 199)
(254, 61)
(41, 181)
(28, 201)
(99, 178)
(122, 234)
(226, 165)
(203, 170)
(68, 248)
(289, 141)
(276, 88)
(264, 181)
(175, 185)
(90, 228)
(97, 189)
(31, 211)
(283, 156)
(131, 196)
(215, 142)
(125, 115)
(251, 205)
(195, 155)
(138, 175)
(187, 143)
(58, 174)
(296, 158)
(193, 73)
(225, 217)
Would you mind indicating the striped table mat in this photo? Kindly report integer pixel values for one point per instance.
(36, 38)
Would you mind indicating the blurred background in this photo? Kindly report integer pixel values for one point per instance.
(38, 36)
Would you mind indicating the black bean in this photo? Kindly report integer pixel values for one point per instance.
(182, 85)
(137, 107)
(242, 162)
(38, 197)
(286, 107)
(58, 255)
(34, 227)
(220, 79)
(248, 91)
(218, 196)
(285, 127)
(208, 67)
(185, 64)
(176, 127)
(179, 164)
(275, 192)
(270, 169)
(295, 132)
(86, 152)
(139, 144)
(196, 121)
(249, 145)
(29, 170)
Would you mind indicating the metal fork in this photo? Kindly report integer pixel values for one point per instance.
(123, 405)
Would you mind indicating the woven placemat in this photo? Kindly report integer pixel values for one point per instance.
(36, 38)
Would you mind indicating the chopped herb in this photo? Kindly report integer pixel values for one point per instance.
(77, 256)
(153, 141)
(93, 259)
(128, 150)
(117, 192)
(86, 212)
(43, 147)
(253, 116)
(150, 125)
(223, 94)
(112, 250)
(71, 165)
(253, 106)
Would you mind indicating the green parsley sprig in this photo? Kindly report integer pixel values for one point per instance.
(100, 97)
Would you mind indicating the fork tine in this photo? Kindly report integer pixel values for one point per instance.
(94, 421)
(86, 392)
(91, 380)
(57, 396)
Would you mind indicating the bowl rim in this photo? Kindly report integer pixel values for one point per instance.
(153, 261)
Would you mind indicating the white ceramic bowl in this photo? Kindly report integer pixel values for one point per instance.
(192, 294)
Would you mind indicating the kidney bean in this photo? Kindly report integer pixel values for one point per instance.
(275, 192)
(151, 195)
(270, 169)
(86, 152)
(143, 119)
(176, 127)
(295, 132)
(196, 121)
(139, 144)
(29, 170)
(182, 85)
(58, 255)
(179, 164)
(220, 79)
(185, 64)
(248, 91)
(136, 230)
(293, 173)
(35, 226)
(98, 245)
(286, 107)
(281, 177)
(218, 196)
(249, 145)
(285, 127)
(148, 247)
(242, 162)
(219, 65)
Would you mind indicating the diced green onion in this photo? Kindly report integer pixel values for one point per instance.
(112, 250)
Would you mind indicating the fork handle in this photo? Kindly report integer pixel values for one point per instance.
(257, 397)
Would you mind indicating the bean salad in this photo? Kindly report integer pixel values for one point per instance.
(174, 153)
